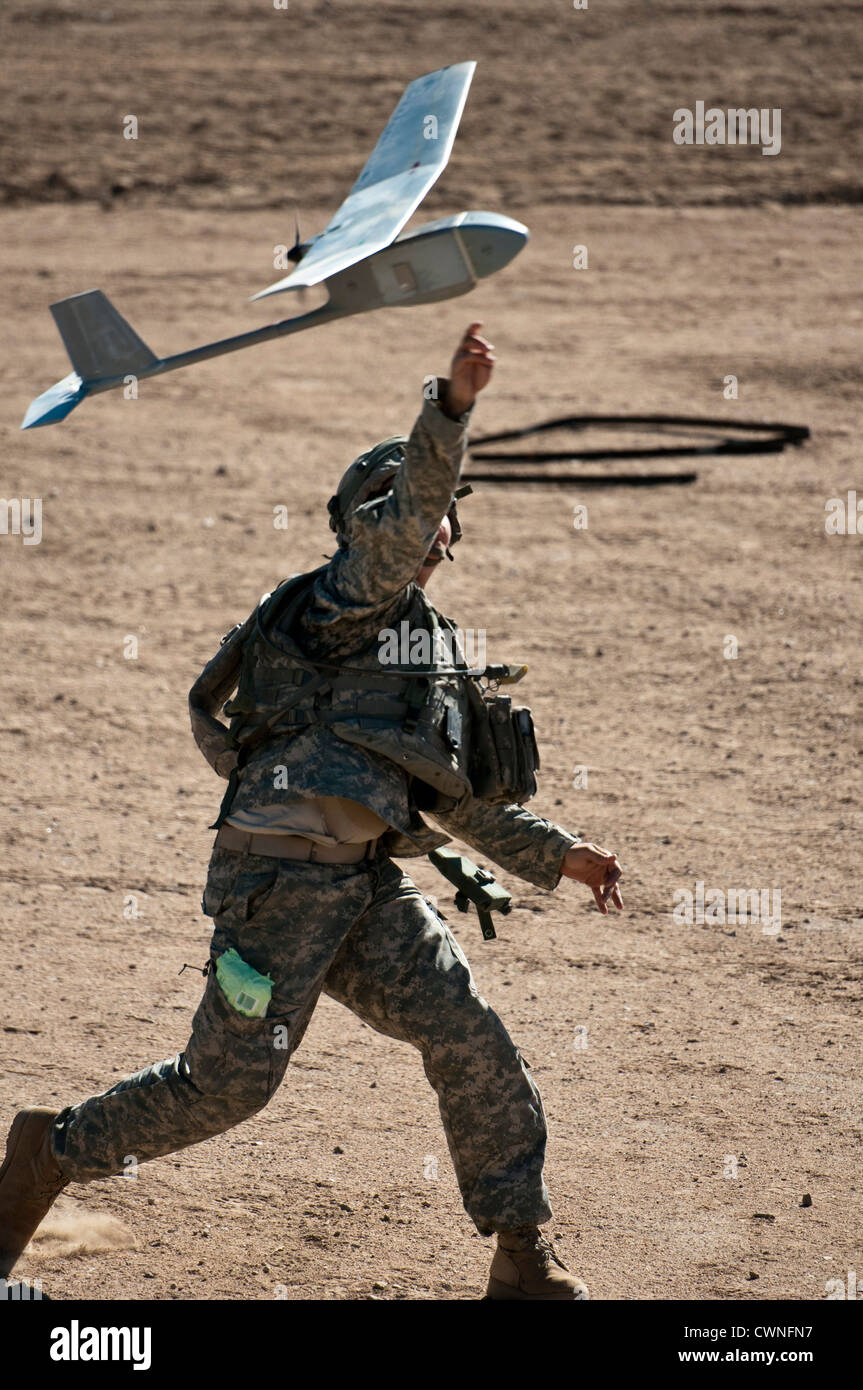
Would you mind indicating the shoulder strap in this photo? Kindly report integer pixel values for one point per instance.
(283, 603)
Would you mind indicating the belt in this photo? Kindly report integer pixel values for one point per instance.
(285, 846)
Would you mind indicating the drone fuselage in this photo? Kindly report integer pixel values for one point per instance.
(437, 261)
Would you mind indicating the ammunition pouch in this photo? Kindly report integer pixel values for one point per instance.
(504, 756)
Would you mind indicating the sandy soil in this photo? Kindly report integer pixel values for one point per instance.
(705, 1043)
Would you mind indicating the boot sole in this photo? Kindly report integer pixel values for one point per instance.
(497, 1290)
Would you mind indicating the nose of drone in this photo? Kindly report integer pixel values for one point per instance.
(491, 240)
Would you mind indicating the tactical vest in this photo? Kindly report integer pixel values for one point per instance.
(419, 717)
(449, 735)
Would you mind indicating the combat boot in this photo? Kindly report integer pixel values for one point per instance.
(525, 1266)
(30, 1180)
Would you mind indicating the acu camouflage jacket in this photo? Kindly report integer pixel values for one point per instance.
(364, 589)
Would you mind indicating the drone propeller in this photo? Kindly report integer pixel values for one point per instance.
(299, 248)
(295, 255)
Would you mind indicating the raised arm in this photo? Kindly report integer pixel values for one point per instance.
(390, 541)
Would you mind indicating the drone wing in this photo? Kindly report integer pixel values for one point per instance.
(408, 158)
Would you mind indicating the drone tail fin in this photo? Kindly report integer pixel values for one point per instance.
(99, 341)
(101, 345)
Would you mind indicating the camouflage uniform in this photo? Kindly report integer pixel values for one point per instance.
(361, 932)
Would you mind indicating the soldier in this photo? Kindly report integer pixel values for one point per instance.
(331, 758)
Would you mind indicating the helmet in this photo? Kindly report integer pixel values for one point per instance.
(371, 476)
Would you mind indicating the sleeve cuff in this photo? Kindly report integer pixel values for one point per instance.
(445, 427)
(556, 850)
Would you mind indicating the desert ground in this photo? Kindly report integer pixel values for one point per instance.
(701, 1081)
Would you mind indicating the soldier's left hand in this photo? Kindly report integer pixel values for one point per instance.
(599, 869)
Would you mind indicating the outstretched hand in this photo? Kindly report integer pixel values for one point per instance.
(470, 370)
(599, 869)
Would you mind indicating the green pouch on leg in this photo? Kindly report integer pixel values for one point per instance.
(245, 989)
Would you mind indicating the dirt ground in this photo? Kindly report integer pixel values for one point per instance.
(719, 1085)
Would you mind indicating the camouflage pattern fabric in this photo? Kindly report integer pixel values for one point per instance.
(360, 932)
(365, 588)
(364, 935)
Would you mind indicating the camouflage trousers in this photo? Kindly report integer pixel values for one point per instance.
(364, 935)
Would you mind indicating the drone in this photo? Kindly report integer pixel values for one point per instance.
(362, 256)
